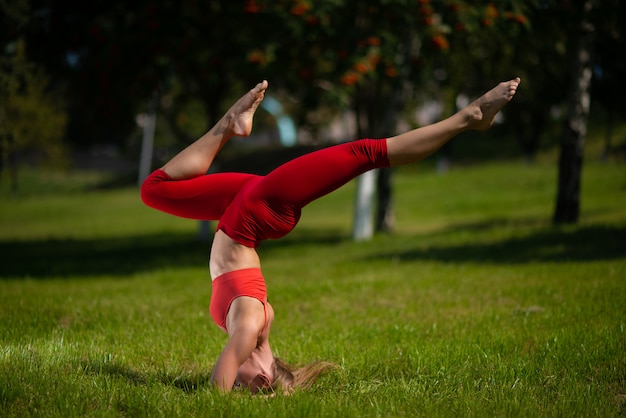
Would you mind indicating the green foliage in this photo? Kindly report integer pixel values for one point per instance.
(113, 56)
(476, 306)
(32, 120)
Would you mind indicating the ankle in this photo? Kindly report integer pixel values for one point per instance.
(224, 128)
(475, 118)
(468, 117)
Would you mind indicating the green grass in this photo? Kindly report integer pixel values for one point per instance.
(474, 306)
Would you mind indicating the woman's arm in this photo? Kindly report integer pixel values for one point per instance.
(245, 320)
(239, 347)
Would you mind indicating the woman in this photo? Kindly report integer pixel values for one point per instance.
(253, 208)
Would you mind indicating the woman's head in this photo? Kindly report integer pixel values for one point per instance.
(256, 373)
(281, 376)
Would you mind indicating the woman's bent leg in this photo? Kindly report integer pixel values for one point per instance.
(182, 187)
(196, 159)
(202, 198)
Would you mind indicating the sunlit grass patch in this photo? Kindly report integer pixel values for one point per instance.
(474, 306)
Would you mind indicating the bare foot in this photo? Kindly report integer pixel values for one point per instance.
(482, 112)
(239, 116)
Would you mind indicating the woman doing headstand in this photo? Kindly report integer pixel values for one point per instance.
(253, 208)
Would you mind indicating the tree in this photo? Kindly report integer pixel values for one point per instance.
(575, 128)
(111, 56)
(32, 119)
(390, 52)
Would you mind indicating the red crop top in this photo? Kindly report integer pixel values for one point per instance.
(229, 286)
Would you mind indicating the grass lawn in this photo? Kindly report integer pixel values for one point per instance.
(474, 306)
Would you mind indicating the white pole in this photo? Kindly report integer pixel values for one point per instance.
(363, 221)
(148, 122)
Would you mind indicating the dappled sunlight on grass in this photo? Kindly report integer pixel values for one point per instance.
(474, 305)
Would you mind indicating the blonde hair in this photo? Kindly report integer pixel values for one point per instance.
(288, 377)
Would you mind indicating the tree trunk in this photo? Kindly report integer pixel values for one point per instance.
(147, 142)
(573, 136)
(362, 222)
(384, 209)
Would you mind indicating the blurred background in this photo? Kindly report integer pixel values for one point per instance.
(120, 86)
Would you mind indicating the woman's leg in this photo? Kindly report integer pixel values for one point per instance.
(204, 198)
(300, 181)
(479, 115)
(196, 159)
(181, 187)
(306, 178)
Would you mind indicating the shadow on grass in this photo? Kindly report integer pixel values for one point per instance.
(586, 243)
(55, 258)
(128, 255)
(185, 381)
(40, 259)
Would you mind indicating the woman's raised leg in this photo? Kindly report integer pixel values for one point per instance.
(193, 194)
(417, 144)
(196, 159)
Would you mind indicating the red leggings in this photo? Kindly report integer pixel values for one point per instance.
(252, 208)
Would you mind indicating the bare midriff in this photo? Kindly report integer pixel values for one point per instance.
(228, 255)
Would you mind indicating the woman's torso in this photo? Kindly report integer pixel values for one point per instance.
(228, 255)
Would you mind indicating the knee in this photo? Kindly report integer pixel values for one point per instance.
(150, 186)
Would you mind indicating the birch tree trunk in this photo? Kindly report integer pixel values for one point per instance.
(573, 137)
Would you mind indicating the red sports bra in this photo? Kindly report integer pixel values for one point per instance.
(229, 286)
